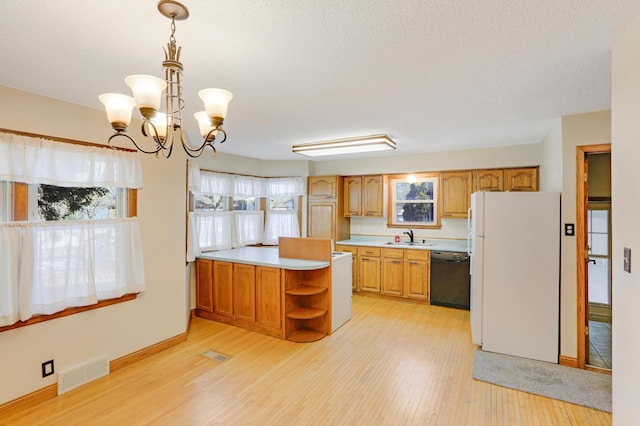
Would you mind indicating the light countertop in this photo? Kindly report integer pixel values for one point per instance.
(263, 256)
(429, 243)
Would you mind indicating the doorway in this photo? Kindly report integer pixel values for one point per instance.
(593, 234)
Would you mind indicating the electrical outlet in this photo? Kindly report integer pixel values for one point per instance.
(47, 368)
(569, 229)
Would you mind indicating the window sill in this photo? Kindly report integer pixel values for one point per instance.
(69, 311)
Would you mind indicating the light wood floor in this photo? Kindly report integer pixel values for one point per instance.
(394, 363)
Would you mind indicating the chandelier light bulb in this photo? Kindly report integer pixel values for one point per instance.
(216, 102)
(119, 108)
(147, 90)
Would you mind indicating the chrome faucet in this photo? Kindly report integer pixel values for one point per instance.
(410, 234)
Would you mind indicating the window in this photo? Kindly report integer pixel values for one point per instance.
(242, 219)
(208, 202)
(414, 204)
(599, 266)
(66, 234)
(282, 203)
(245, 203)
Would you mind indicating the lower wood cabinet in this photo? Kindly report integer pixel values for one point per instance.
(369, 269)
(417, 270)
(204, 285)
(291, 304)
(405, 273)
(244, 292)
(268, 294)
(395, 272)
(223, 289)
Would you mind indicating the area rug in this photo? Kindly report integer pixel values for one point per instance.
(573, 385)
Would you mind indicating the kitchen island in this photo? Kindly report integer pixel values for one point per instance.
(265, 289)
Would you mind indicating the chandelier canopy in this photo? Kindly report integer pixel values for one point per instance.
(147, 91)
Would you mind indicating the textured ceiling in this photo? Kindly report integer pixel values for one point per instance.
(433, 74)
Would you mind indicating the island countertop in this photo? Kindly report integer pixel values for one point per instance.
(263, 256)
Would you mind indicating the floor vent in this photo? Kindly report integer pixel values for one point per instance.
(79, 375)
(215, 355)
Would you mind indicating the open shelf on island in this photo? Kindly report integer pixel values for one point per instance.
(303, 313)
(303, 335)
(306, 290)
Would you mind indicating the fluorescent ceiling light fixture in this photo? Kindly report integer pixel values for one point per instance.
(346, 146)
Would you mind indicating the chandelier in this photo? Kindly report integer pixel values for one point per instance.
(147, 96)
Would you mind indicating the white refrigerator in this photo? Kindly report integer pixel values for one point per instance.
(514, 243)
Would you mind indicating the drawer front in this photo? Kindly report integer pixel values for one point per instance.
(395, 253)
(418, 254)
(369, 251)
(350, 249)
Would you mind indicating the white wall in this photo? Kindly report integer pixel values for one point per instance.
(626, 224)
(551, 160)
(157, 314)
(580, 129)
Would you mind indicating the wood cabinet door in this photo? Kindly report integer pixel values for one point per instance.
(488, 180)
(204, 284)
(392, 276)
(244, 288)
(269, 297)
(370, 274)
(523, 179)
(223, 288)
(354, 263)
(322, 220)
(456, 193)
(373, 196)
(323, 187)
(417, 279)
(352, 196)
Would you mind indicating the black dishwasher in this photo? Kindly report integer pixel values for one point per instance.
(450, 279)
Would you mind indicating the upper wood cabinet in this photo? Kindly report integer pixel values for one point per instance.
(353, 196)
(323, 186)
(488, 180)
(521, 179)
(364, 196)
(455, 194)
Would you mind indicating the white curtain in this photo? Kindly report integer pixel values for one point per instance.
(193, 176)
(286, 186)
(52, 266)
(213, 183)
(249, 186)
(40, 161)
(280, 223)
(249, 227)
(214, 230)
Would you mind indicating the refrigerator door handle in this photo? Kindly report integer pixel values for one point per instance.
(469, 236)
(469, 218)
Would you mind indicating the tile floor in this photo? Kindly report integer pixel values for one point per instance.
(600, 344)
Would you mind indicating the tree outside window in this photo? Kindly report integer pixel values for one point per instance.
(414, 204)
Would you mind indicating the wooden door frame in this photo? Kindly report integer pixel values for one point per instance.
(581, 247)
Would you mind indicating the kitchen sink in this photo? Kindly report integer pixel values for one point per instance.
(415, 243)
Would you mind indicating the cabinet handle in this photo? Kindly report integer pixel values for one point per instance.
(396, 261)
